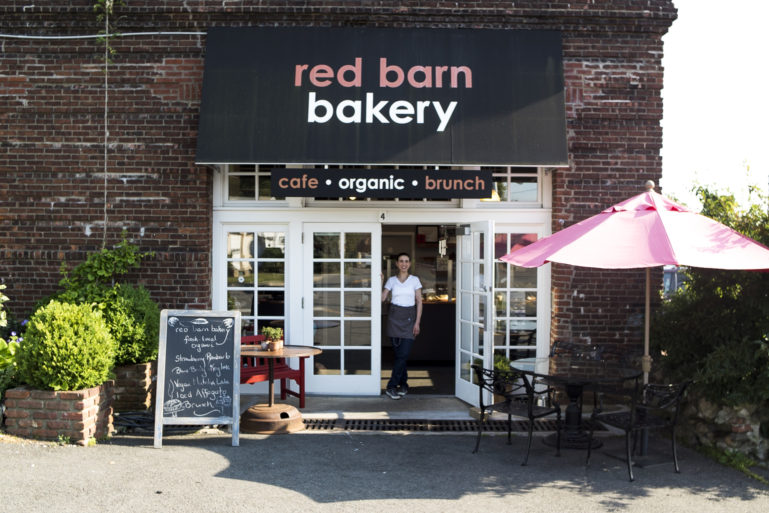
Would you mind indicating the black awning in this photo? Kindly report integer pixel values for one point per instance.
(382, 96)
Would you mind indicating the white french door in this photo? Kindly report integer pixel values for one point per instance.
(474, 306)
(341, 304)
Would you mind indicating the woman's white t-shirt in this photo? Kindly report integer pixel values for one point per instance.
(403, 294)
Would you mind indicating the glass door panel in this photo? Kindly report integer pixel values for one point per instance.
(342, 307)
(474, 314)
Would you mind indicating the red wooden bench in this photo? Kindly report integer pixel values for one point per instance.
(256, 370)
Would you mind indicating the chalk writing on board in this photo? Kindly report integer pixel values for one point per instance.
(199, 374)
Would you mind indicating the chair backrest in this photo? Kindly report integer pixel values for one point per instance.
(663, 397)
(505, 383)
(252, 339)
(659, 401)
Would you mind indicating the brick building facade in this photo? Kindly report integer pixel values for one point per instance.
(52, 135)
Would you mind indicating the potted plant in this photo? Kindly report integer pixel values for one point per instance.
(65, 361)
(274, 337)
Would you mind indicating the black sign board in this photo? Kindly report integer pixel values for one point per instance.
(381, 183)
(198, 370)
(363, 95)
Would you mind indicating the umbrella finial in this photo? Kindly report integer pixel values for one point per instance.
(649, 185)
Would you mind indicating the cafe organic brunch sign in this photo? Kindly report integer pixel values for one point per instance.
(382, 96)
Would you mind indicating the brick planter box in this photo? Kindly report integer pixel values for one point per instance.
(80, 415)
(134, 387)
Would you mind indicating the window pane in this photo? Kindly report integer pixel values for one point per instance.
(326, 333)
(271, 274)
(523, 277)
(500, 329)
(531, 304)
(517, 304)
(523, 188)
(357, 304)
(327, 303)
(326, 274)
(240, 245)
(357, 362)
(357, 245)
(242, 187)
(500, 185)
(271, 303)
(241, 300)
(500, 304)
(240, 274)
(500, 274)
(272, 323)
(357, 333)
(328, 362)
(464, 366)
(271, 245)
(357, 274)
(326, 245)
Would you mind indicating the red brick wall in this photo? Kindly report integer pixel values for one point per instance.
(51, 134)
(78, 416)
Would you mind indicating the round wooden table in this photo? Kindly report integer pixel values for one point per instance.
(272, 418)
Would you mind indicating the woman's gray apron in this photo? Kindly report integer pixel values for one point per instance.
(400, 321)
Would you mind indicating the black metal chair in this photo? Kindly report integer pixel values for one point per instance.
(619, 392)
(521, 399)
(652, 406)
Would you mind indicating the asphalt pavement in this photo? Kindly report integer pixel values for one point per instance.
(361, 471)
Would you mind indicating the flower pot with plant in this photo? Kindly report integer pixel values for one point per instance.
(274, 337)
(65, 361)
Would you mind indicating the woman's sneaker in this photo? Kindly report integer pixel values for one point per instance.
(403, 390)
(392, 393)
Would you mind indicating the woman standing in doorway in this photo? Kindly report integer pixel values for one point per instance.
(402, 321)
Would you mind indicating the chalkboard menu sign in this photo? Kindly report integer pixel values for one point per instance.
(198, 370)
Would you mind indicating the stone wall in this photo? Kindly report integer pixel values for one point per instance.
(53, 179)
(728, 428)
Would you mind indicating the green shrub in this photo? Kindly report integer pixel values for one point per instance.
(99, 271)
(7, 350)
(716, 330)
(66, 347)
(133, 319)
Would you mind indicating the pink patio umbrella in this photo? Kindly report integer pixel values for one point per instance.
(645, 231)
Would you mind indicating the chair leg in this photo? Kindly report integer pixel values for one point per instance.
(481, 416)
(509, 429)
(300, 381)
(590, 442)
(528, 446)
(558, 434)
(629, 455)
(675, 452)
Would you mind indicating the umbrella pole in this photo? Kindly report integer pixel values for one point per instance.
(646, 361)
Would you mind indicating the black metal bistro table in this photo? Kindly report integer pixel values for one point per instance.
(574, 374)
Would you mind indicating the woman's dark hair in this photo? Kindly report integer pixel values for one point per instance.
(398, 257)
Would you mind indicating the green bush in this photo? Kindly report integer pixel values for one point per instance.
(7, 350)
(716, 330)
(66, 347)
(133, 319)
